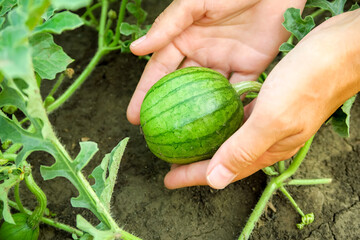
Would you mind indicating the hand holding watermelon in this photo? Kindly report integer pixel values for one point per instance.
(299, 95)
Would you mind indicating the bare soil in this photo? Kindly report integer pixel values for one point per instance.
(141, 203)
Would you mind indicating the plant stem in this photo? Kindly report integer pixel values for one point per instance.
(17, 198)
(281, 165)
(77, 83)
(49, 221)
(13, 148)
(104, 10)
(292, 201)
(119, 21)
(317, 13)
(309, 181)
(89, 12)
(300, 156)
(37, 214)
(57, 85)
(246, 86)
(270, 171)
(258, 210)
(275, 183)
(9, 156)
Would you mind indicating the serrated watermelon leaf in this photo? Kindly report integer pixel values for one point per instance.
(128, 29)
(113, 168)
(48, 13)
(103, 186)
(354, 7)
(48, 58)
(15, 53)
(286, 47)
(60, 22)
(340, 120)
(70, 4)
(5, 186)
(2, 20)
(135, 9)
(336, 7)
(99, 174)
(6, 6)
(87, 152)
(85, 226)
(295, 24)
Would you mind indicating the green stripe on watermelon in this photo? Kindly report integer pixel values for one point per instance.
(175, 80)
(167, 99)
(172, 152)
(207, 116)
(178, 115)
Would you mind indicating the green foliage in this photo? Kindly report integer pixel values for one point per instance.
(48, 58)
(286, 47)
(60, 22)
(336, 7)
(299, 27)
(70, 5)
(340, 120)
(5, 186)
(109, 166)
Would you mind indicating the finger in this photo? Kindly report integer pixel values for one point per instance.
(248, 108)
(267, 159)
(170, 23)
(189, 63)
(237, 155)
(187, 175)
(161, 63)
(239, 77)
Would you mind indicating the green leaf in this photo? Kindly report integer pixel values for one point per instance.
(17, 17)
(66, 169)
(336, 7)
(85, 226)
(6, 6)
(5, 186)
(49, 13)
(87, 151)
(48, 58)
(128, 29)
(15, 54)
(70, 4)
(103, 186)
(60, 22)
(295, 24)
(354, 7)
(340, 120)
(135, 9)
(286, 47)
(2, 20)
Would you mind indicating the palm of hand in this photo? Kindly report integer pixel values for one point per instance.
(231, 37)
(241, 44)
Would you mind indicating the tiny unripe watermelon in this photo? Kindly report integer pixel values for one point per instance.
(20, 230)
(189, 113)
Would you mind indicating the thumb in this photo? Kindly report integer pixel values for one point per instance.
(170, 23)
(237, 157)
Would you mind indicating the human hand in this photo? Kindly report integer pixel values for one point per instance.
(298, 96)
(233, 37)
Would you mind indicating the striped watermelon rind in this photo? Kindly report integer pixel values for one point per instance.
(189, 113)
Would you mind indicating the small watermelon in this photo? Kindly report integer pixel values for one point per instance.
(189, 113)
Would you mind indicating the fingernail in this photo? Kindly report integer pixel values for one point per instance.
(220, 177)
(138, 41)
